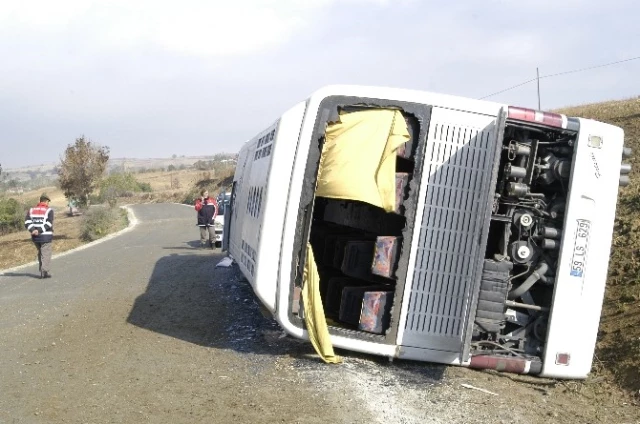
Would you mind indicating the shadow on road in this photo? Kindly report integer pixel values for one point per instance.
(190, 245)
(189, 299)
(19, 274)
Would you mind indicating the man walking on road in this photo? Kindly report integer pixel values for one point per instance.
(207, 209)
(39, 222)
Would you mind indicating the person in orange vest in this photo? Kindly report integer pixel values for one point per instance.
(39, 222)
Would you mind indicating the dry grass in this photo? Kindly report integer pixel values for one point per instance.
(190, 182)
(162, 181)
(165, 196)
(17, 248)
(618, 349)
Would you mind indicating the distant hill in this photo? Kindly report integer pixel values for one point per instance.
(35, 176)
(134, 164)
(128, 163)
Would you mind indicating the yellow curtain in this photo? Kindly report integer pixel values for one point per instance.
(314, 313)
(358, 160)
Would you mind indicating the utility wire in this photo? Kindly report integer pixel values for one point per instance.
(560, 73)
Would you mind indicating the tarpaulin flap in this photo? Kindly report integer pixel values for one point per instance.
(314, 318)
(358, 158)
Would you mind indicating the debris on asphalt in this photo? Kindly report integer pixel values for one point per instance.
(226, 262)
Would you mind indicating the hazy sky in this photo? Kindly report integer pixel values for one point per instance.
(154, 78)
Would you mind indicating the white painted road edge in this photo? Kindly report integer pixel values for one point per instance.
(133, 221)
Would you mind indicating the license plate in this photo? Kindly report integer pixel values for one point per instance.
(580, 248)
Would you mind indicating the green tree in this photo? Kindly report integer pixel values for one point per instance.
(81, 169)
(11, 215)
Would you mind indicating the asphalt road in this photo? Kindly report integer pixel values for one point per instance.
(142, 328)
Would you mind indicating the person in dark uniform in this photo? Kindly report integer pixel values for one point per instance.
(39, 222)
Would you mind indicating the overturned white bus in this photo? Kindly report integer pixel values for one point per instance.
(440, 228)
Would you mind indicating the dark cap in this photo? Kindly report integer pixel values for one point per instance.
(44, 197)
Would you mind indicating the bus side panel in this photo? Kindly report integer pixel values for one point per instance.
(275, 191)
(586, 244)
(261, 189)
(227, 219)
(292, 210)
(239, 207)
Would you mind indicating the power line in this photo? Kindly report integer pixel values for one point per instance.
(591, 67)
(560, 73)
(509, 89)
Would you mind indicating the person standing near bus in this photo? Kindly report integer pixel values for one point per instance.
(207, 209)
